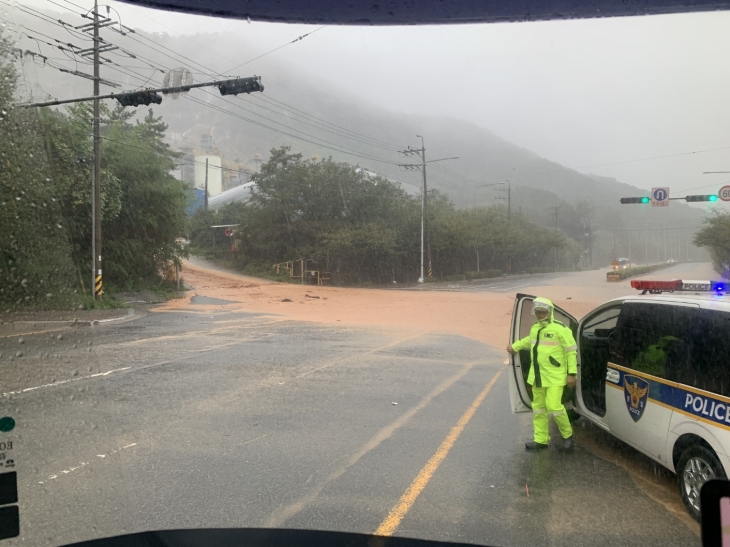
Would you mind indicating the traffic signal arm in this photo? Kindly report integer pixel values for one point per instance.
(226, 87)
(645, 199)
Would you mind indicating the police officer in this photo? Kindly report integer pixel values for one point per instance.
(553, 366)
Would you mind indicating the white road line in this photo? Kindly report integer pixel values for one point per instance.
(60, 382)
(142, 367)
(83, 464)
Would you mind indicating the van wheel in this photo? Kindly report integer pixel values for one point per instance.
(697, 465)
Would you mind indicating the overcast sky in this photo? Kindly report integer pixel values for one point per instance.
(582, 93)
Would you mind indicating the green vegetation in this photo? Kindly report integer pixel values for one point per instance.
(45, 203)
(364, 229)
(716, 237)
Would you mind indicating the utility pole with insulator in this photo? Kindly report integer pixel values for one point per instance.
(508, 197)
(205, 197)
(96, 193)
(556, 236)
(421, 152)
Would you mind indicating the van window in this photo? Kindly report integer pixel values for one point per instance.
(595, 334)
(653, 339)
(709, 340)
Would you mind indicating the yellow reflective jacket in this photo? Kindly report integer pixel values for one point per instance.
(552, 353)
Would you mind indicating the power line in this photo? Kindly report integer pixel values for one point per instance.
(211, 74)
(324, 143)
(329, 145)
(277, 48)
(295, 110)
(332, 147)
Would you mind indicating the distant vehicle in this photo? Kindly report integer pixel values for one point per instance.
(671, 261)
(620, 263)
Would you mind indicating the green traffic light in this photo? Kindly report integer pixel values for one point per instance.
(713, 198)
(644, 200)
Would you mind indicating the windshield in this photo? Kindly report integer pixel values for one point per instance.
(267, 278)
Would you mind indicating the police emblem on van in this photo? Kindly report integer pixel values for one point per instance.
(636, 392)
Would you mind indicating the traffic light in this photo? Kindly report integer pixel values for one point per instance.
(710, 197)
(645, 199)
(137, 98)
(241, 85)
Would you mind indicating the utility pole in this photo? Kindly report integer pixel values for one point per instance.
(409, 166)
(206, 184)
(509, 215)
(424, 203)
(508, 198)
(425, 209)
(556, 236)
(476, 235)
(614, 245)
(96, 194)
(587, 245)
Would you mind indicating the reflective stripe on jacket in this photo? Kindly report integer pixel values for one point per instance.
(552, 353)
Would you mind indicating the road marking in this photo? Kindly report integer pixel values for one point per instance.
(84, 464)
(33, 332)
(186, 335)
(394, 518)
(60, 382)
(356, 356)
(283, 513)
(133, 369)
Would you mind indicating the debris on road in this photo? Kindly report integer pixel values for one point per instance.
(395, 403)
(287, 300)
(310, 296)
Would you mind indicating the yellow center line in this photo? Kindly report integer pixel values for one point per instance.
(396, 515)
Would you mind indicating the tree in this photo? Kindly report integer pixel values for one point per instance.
(45, 198)
(144, 235)
(35, 255)
(716, 237)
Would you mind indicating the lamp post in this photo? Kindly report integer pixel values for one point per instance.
(476, 247)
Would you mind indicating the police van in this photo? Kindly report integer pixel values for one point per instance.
(654, 371)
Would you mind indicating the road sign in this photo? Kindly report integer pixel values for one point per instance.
(660, 197)
(724, 193)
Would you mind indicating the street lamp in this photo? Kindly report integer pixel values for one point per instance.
(476, 247)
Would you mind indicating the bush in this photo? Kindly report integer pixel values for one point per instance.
(640, 270)
(459, 277)
(484, 274)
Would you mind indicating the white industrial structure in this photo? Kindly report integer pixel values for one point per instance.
(240, 193)
(215, 174)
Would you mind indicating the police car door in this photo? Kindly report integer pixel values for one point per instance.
(520, 394)
(647, 349)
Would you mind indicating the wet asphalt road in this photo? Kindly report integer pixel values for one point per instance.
(210, 418)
